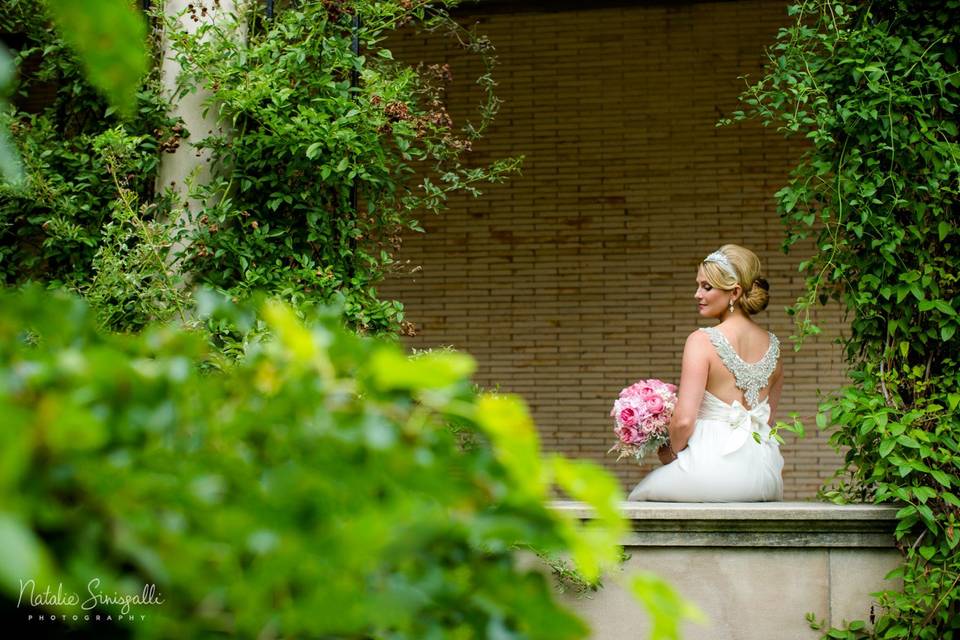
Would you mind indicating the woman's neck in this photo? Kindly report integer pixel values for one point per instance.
(735, 318)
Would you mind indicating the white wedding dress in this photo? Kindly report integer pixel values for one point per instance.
(723, 462)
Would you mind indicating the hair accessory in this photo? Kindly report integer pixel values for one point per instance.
(718, 258)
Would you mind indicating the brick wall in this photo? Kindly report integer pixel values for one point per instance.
(577, 278)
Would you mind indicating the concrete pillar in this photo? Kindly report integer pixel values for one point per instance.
(187, 164)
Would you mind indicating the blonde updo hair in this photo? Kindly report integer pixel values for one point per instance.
(756, 290)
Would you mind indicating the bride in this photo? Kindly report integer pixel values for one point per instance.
(730, 383)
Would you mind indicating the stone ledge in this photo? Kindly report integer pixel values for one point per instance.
(751, 524)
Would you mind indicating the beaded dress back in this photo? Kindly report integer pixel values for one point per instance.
(750, 377)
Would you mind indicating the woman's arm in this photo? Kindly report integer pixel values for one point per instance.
(693, 382)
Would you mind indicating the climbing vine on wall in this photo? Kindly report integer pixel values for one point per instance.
(330, 149)
(875, 88)
(333, 148)
(86, 214)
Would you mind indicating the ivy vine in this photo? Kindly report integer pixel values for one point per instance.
(86, 214)
(874, 88)
(331, 150)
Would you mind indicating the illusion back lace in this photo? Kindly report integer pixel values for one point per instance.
(749, 377)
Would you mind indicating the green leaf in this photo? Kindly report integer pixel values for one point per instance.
(945, 307)
(666, 608)
(903, 512)
(22, 555)
(392, 369)
(595, 545)
(926, 513)
(907, 441)
(947, 331)
(586, 482)
(515, 441)
(943, 229)
(941, 477)
(924, 493)
(70, 427)
(953, 400)
(886, 447)
(949, 497)
(109, 37)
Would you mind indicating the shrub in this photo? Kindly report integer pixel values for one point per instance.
(312, 488)
(875, 89)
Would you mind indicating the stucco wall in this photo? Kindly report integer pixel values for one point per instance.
(754, 570)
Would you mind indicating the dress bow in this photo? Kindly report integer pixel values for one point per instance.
(744, 423)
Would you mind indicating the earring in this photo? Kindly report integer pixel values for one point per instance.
(731, 305)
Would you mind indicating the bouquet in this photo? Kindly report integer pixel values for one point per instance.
(641, 415)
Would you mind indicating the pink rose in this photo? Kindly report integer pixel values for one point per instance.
(632, 390)
(654, 404)
(629, 435)
(629, 417)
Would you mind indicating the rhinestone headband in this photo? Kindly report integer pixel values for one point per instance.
(724, 262)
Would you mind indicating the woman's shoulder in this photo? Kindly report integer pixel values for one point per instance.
(699, 339)
(702, 334)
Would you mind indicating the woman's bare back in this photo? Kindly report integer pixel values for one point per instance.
(750, 344)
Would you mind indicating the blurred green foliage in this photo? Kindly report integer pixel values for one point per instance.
(312, 488)
(108, 38)
(107, 35)
(875, 89)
